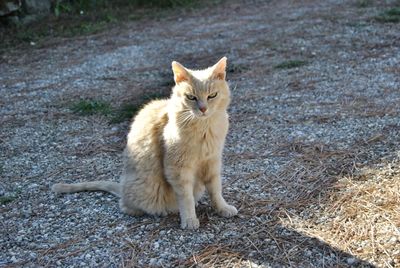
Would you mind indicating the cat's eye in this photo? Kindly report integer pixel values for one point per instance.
(190, 97)
(212, 95)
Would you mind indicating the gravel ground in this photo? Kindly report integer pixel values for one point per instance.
(296, 135)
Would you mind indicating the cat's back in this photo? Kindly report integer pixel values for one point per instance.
(153, 110)
(143, 178)
(147, 126)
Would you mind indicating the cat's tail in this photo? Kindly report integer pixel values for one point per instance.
(107, 186)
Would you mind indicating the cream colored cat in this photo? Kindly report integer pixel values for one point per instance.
(174, 150)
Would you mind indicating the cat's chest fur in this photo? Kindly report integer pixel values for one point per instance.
(201, 141)
(209, 141)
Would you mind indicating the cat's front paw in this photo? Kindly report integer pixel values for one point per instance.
(227, 211)
(190, 223)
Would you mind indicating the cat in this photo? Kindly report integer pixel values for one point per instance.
(174, 150)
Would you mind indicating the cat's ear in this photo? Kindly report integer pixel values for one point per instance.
(180, 72)
(219, 69)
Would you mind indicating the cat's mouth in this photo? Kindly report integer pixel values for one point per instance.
(201, 115)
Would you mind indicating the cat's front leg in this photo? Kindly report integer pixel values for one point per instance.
(214, 189)
(183, 184)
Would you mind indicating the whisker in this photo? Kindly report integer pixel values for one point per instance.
(187, 120)
(185, 117)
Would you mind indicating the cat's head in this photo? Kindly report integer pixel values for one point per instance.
(201, 92)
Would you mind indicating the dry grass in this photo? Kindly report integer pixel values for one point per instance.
(214, 255)
(363, 216)
(313, 167)
(342, 198)
(345, 198)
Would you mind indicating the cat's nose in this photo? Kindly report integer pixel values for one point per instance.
(202, 106)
